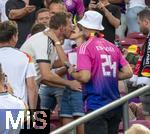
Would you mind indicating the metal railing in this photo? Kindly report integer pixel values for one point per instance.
(100, 111)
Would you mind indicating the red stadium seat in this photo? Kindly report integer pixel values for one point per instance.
(138, 36)
(128, 41)
(55, 120)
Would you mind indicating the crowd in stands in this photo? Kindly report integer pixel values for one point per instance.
(72, 57)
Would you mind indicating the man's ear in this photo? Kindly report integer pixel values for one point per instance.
(146, 22)
(14, 39)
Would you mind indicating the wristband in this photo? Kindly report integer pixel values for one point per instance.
(57, 43)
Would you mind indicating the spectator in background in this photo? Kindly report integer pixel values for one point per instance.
(47, 3)
(120, 31)
(86, 4)
(99, 66)
(76, 7)
(111, 17)
(3, 16)
(56, 7)
(38, 3)
(17, 65)
(42, 16)
(8, 102)
(133, 8)
(147, 2)
(24, 14)
(142, 69)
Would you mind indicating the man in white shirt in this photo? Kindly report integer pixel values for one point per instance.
(9, 103)
(44, 51)
(17, 65)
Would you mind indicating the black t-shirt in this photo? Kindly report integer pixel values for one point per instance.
(109, 31)
(38, 3)
(86, 3)
(24, 24)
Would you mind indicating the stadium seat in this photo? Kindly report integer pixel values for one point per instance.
(138, 36)
(126, 42)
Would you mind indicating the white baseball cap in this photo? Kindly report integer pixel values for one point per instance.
(92, 20)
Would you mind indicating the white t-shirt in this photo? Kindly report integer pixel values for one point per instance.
(134, 3)
(67, 46)
(8, 101)
(2, 10)
(17, 66)
(12, 104)
(41, 48)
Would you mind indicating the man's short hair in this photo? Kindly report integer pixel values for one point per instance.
(49, 2)
(59, 19)
(144, 14)
(41, 11)
(7, 30)
(60, 3)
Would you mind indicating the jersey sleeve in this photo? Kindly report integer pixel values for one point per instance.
(41, 56)
(42, 52)
(122, 61)
(31, 72)
(83, 59)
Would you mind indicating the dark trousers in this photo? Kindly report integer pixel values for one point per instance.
(107, 123)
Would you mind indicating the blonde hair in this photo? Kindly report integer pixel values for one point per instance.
(138, 129)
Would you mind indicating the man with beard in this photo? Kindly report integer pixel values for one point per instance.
(142, 69)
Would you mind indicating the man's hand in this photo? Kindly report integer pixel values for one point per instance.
(71, 70)
(29, 8)
(100, 6)
(75, 85)
(92, 5)
(52, 35)
(125, 52)
(19, 13)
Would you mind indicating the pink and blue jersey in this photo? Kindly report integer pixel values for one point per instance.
(103, 59)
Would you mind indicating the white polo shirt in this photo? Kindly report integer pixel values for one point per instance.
(41, 48)
(18, 67)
